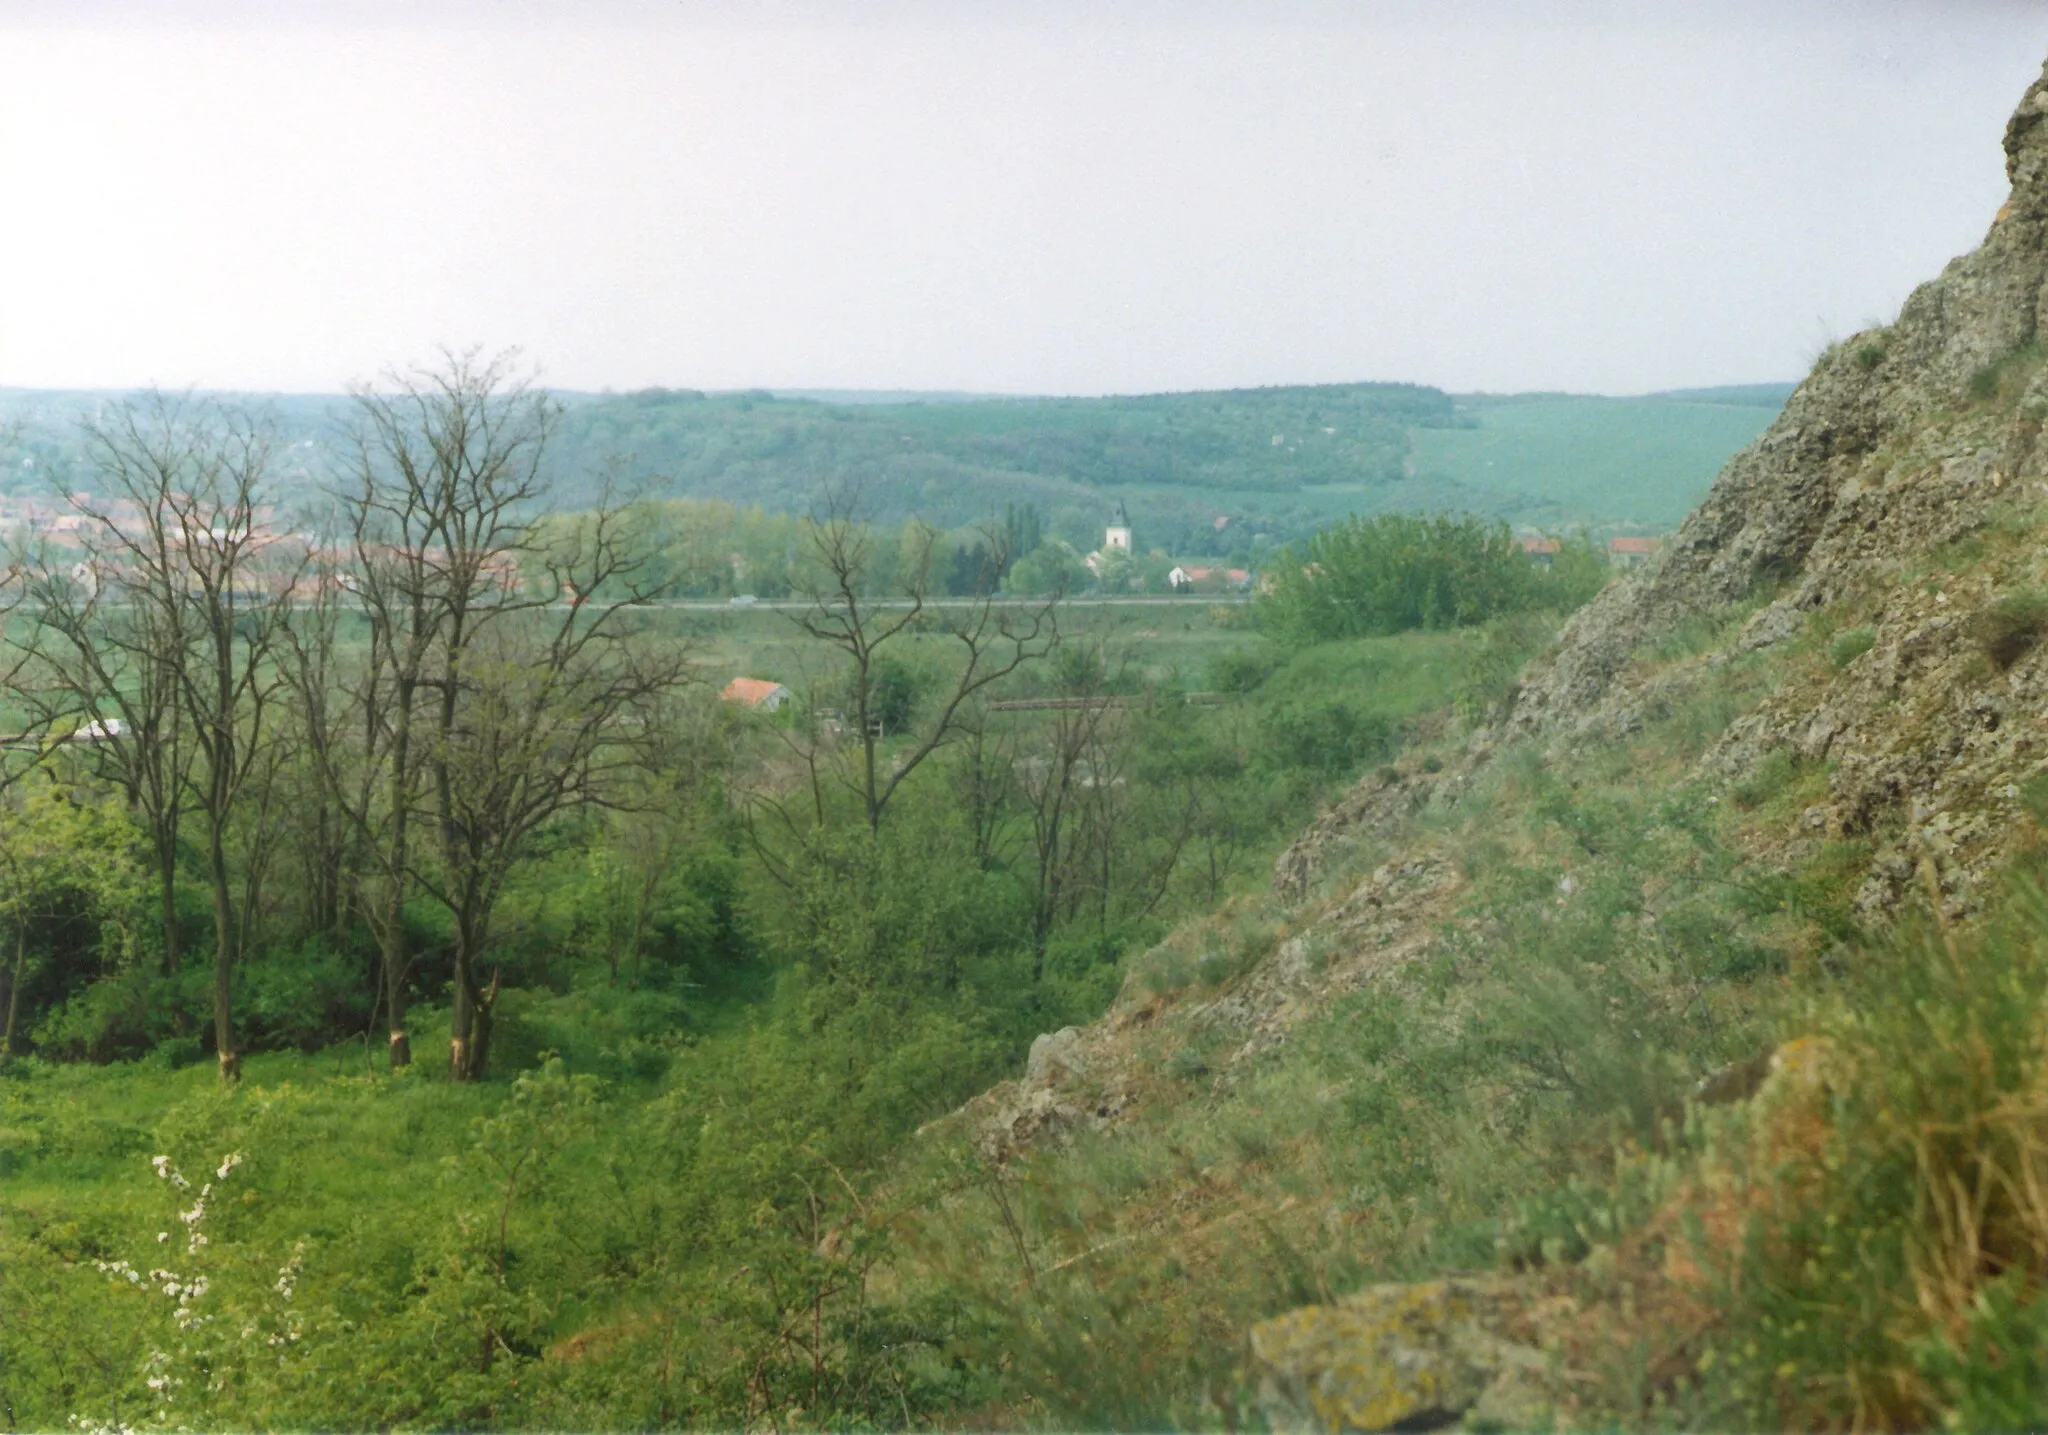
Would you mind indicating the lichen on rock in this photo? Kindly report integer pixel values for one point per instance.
(1400, 1357)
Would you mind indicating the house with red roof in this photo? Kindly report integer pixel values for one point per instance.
(757, 693)
(1632, 552)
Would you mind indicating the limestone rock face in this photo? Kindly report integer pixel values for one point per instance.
(1055, 1056)
(1774, 505)
(1380, 802)
(1400, 1357)
(1072, 1081)
(1901, 443)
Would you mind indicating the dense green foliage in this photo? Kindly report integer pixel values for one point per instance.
(677, 1176)
(1393, 573)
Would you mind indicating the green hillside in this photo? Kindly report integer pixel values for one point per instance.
(1612, 462)
(1275, 463)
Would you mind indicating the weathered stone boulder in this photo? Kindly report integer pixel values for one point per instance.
(1056, 1056)
(1402, 1357)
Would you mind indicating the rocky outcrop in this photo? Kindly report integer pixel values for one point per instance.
(1084, 1078)
(1074, 1078)
(1930, 719)
(1823, 465)
(1376, 807)
(1932, 748)
(1406, 1357)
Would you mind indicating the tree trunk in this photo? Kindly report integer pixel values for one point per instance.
(480, 1038)
(469, 1043)
(223, 955)
(167, 896)
(469, 1026)
(395, 959)
(14, 986)
(325, 915)
(462, 1017)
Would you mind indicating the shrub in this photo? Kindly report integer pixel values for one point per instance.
(1395, 572)
(1850, 646)
(2009, 627)
(304, 998)
(1770, 777)
(1169, 971)
(1327, 735)
(1892, 1271)
(2002, 378)
(1240, 670)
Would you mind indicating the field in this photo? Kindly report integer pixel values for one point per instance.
(1558, 460)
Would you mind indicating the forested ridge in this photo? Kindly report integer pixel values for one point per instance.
(1274, 464)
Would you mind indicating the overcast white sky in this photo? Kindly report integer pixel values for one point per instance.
(1018, 197)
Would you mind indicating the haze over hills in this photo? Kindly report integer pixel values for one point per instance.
(1276, 463)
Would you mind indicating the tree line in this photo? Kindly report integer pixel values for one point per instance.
(394, 707)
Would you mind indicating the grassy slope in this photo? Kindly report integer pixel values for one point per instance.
(1561, 458)
(1387, 1139)
(1514, 1100)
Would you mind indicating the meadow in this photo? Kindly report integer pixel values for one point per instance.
(1612, 464)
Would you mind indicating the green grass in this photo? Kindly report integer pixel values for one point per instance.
(1566, 458)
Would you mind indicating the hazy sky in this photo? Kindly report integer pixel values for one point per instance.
(1051, 197)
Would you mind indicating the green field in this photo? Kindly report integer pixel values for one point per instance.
(1564, 459)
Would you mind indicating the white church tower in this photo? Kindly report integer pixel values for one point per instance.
(1117, 537)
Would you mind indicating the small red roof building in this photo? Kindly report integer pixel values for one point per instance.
(757, 693)
(1631, 552)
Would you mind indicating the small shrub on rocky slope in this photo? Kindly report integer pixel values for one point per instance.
(1892, 1200)
(2009, 628)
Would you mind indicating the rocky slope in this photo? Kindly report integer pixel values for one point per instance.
(1902, 443)
(1876, 555)
(1876, 453)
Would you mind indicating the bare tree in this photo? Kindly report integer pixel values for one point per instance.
(171, 620)
(105, 677)
(547, 708)
(328, 846)
(651, 828)
(501, 687)
(444, 472)
(1062, 786)
(993, 640)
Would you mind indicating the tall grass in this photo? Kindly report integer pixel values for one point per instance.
(1895, 1261)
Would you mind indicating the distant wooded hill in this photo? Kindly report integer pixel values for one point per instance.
(1275, 463)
